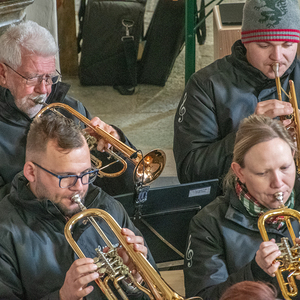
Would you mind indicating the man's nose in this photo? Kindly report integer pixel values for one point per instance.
(276, 54)
(78, 185)
(41, 87)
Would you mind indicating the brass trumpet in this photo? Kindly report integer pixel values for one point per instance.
(290, 256)
(293, 128)
(147, 167)
(110, 265)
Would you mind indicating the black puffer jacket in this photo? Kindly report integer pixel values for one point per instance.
(14, 126)
(222, 242)
(214, 102)
(34, 253)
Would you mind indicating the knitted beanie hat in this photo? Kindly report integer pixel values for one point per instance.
(271, 20)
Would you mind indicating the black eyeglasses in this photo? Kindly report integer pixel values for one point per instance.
(33, 81)
(67, 181)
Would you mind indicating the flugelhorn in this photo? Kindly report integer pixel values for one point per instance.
(110, 265)
(293, 128)
(290, 256)
(147, 167)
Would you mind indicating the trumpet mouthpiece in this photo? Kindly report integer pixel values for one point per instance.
(279, 196)
(40, 99)
(275, 67)
(76, 198)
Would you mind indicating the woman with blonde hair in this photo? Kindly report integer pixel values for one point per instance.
(224, 244)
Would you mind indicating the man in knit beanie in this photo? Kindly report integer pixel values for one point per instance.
(275, 24)
(219, 96)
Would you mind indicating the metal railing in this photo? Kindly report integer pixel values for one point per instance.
(194, 25)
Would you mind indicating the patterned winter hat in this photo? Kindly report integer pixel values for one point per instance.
(271, 20)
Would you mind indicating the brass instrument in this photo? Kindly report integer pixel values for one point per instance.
(290, 256)
(277, 80)
(110, 264)
(293, 128)
(147, 167)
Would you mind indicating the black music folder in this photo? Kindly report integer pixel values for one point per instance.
(168, 211)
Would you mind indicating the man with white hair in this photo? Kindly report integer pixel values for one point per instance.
(28, 81)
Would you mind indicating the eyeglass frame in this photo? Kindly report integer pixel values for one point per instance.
(43, 77)
(60, 177)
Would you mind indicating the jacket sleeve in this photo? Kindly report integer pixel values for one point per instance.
(200, 151)
(82, 110)
(11, 286)
(206, 270)
(10, 283)
(4, 188)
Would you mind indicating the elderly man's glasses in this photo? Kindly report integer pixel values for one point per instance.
(33, 81)
(67, 181)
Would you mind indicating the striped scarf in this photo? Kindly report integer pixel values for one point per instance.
(255, 209)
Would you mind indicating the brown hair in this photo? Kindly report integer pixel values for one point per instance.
(254, 130)
(52, 127)
(250, 290)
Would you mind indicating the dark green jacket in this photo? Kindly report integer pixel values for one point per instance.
(34, 253)
(222, 243)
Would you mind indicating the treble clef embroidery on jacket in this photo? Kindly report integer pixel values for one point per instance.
(182, 109)
(189, 253)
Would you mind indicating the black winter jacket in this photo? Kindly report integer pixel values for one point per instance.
(222, 242)
(34, 253)
(215, 100)
(14, 126)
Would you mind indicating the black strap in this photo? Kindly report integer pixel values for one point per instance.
(131, 60)
(201, 18)
(129, 50)
(81, 13)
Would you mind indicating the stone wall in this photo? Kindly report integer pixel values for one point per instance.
(12, 11)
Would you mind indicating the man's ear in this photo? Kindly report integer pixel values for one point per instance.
(3, 74)
(29, 171)
(238, 171)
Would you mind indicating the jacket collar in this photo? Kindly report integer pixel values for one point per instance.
(11, 113)
(238, 214)
(58, 92)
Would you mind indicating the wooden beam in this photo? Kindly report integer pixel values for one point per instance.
(67, 37)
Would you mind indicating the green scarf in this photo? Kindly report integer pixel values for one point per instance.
(255, 209)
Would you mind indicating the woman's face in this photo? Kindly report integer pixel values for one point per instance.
(269, 168)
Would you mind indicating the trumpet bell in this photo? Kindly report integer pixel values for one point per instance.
(150, 167)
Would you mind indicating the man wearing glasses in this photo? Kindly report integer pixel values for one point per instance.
(28, 81)
(36, 261)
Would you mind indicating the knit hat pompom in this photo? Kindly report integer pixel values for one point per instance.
(271, 20)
